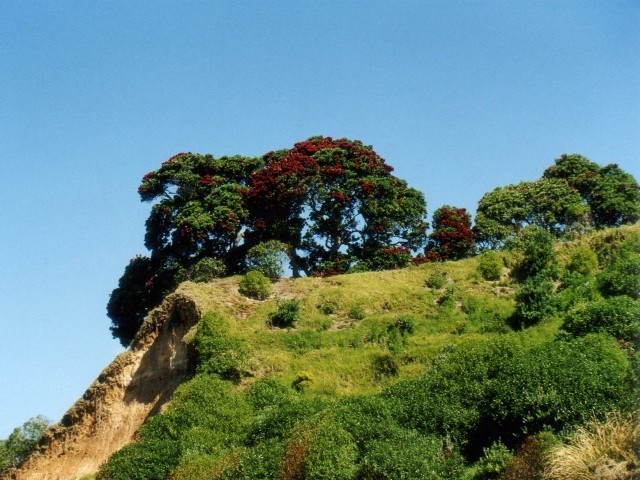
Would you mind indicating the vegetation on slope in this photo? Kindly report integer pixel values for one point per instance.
(419, 373)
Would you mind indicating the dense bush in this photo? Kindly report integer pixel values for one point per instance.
(617, 316)
(411, 456)
(535, 246)
(534, 301)
(622, 277)
(331, 453)
(490, 265)
(218, 352)
(255, 285)
(583, 261)
(492, 463)
(560, 384)
(384, 365)
(287, 314)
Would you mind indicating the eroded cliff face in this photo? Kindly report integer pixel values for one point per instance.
(133, 387)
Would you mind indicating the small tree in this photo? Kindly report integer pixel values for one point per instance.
(452, 237)
(535, 246)
(268, 257)
(21, 441)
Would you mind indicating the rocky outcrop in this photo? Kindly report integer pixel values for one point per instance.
(132, 388)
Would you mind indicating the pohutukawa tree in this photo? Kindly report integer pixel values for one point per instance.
(452, 237)
(335, 203)
(332, 203)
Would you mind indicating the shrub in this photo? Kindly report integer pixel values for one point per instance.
(261, 461)
(331, 453)
(534, 301)
(490, 265)
(583, 261)
(411, 456)
(267, 392)
(575, 289)
(287, 314)
(535, 245)
(622, 277)
(606, 450)
(151, 459)
(617, 316)
(268, 258)
(384, 365)
(255, 285)
(328, 307)
(436, 280)
(206, 269)
(493, 461)
(356, 312)
(451, 400)
(217, 351)
(405, 325)
(560, 384)
(22, 441)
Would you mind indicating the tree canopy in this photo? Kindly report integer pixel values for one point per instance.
(572, 195)
(332, 204)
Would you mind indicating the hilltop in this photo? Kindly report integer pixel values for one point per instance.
(422, 366)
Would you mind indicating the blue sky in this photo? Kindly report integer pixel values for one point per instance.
(459, 96)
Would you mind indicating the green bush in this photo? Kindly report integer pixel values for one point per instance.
(22, 441)
(356, 313)
(436, 280)
(206, 269)
(217, 351)
(535, 246)
(560, 384)
(583, 261)
(384, 365)
(368, 418)
(622, 277)
(534, 301)
(617, 316)
(261, 461)
(331, 453)
(493, 462)
(287, 314)
(575, 289)
(490, 265)
(267, 392)
(255, 285)
(153, 459)
(410, 456)
(268, 258)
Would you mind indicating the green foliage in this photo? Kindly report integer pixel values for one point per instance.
(207, 417)
(572, 195)
(356, 312)
(410, 456)
(142, 287)
(535, 300)
(617, 316)
(287, 315)
(622, 277)
(22, 441)
(255, 285)
(153, 459)
(436, 280)
(560, 384)
(267, 392)
(490, 265)
(206, 269)
(268, 257)
(530, 458)
(583, 261)
(550, 204)
(535, 247)
(384, 365)
(331, 453)
(259, 462)
(493, 462)
(218, 352)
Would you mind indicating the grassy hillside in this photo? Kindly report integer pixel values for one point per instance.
(412, 373)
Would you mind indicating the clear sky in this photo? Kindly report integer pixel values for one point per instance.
(460, 96)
